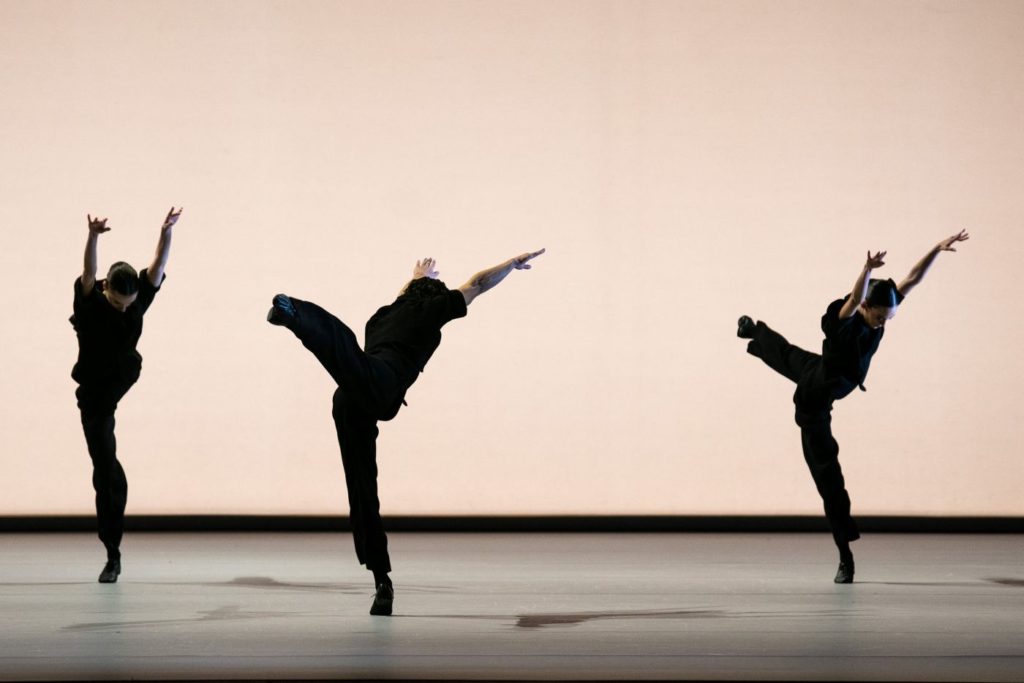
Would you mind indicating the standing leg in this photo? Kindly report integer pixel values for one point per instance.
(108, 477)
(357, 437)
(821, 452)
(813, 398)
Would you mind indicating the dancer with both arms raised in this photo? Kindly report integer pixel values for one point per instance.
(108, 321)
(853, 329)
(400, 339)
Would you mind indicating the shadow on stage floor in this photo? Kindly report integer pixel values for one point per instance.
(514, 607)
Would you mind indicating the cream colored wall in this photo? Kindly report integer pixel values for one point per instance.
(683, 163)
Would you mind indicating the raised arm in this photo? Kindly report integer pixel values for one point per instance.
(860, 286)
(424, 268)
(97, 226)
(486, 279)
(155, 272)
(918, 272)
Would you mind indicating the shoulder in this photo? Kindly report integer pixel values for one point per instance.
(457, 302)
(82, 295)
(833, 308)
(835, 326)
(445, 306)
(147, 290)
(144, 282)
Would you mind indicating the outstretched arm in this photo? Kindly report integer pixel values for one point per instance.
(486, 279)
(97, 226)
(918, 272)
(860, 286)
(155, 272)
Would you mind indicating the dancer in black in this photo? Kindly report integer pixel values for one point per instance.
(108, 321)
(400, 339)
(853, 329)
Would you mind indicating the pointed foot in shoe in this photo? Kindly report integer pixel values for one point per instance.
(745, 327)
(845, 573)
(282, 312)
(383, 601)
(111, 570)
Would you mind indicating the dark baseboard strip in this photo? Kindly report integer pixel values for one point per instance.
(498, 524)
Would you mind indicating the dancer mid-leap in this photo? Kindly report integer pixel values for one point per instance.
(108, 320)
(853, 328)
(400, 339)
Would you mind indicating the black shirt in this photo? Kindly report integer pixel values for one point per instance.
(106, 336)
(849, 345)
(406, 333)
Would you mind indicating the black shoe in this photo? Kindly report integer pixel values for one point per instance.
(282, 312)
(745, 327)
(382, 600)
(110, 571)
(845, 572)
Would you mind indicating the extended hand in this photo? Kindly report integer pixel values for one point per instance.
(97, 226)
(171, 219)
(876, 261)
(425, 268)
(947, 244)
(521, 262)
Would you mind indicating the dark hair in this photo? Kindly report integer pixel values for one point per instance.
(123, 279)
(881, 293)
(423, 287)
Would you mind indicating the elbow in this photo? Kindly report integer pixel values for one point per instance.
(469, 292)
(849, 308)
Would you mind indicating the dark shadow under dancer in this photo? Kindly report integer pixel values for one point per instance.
(108, 322)
(400, 339)
(853, 328)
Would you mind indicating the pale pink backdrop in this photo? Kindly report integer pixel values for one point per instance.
(683, 163)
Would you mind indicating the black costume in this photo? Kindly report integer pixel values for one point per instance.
(108, 365)
(400, 339)
(820, 380)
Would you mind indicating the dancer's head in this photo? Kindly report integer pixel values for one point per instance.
(880, 304)
(122, 286)
(424, 287)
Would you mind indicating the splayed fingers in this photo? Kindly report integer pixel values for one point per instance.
(947, 244)
(97, 225)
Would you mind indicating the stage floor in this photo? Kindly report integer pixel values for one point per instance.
(515, 606)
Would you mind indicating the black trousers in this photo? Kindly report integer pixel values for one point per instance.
(368, 390)
(97, 402)
(813, 399)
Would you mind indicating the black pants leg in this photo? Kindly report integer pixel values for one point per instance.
(357, 438)
(335, 345)
(97, 406)
(813, 415)
(821, 452)
(368, 390)
(777, 353)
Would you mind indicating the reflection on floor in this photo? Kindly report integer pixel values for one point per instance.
(515, 606)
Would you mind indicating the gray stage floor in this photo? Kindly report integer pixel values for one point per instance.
(515, 606)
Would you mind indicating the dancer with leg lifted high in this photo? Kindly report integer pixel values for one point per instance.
(853, 328)
(372, 382)
(108, 321)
